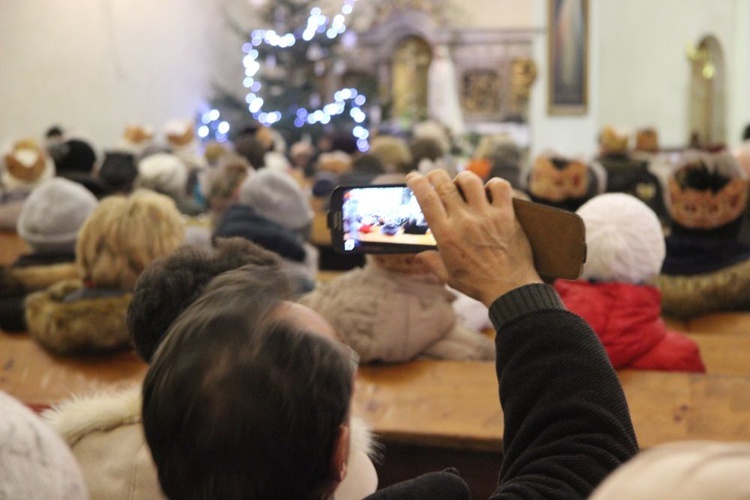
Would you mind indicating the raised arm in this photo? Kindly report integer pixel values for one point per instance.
(567, 423)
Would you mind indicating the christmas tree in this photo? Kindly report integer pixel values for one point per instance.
(291, 68)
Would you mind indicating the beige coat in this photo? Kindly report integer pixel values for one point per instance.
(394, 317)
(106, 436)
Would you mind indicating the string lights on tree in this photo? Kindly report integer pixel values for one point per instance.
(286, 68)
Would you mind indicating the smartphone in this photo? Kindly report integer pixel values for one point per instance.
(388, 219)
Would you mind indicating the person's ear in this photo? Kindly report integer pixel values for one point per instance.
(340, 456)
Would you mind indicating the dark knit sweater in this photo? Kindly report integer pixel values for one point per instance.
(567, 423)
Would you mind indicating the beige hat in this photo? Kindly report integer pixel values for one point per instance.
(690, 470)
(35, 462)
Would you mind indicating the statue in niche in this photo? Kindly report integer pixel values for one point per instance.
(481, 93)
(411, 62)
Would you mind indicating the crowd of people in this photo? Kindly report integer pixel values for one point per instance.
(199, 257)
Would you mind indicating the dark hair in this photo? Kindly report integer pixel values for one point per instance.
(236, 405)
(170, 284)
(252, 149)
(699, 177)
(746, 133)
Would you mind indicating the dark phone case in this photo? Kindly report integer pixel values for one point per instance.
(557, 237)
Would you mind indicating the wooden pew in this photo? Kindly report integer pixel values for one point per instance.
(723, 339)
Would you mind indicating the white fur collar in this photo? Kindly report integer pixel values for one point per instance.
(74, 418)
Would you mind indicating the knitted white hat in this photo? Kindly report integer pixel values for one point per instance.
(35, 461)
(53, 213)
(275, 195)
(165, 173)
(624, 239)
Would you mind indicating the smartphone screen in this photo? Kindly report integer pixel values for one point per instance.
(379, 218)
(387, 219)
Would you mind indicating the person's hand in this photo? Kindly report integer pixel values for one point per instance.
(482, 249)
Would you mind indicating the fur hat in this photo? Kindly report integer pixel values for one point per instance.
(688, 470)
(125, 234)
(135, 137)
(647, 139)
(74, 157)
(118, 171)
(53, 213)
(35, 461)
(26, 164)
(624, 239)
(164, 173)
(555, 180)
(275, 195)
(613, 140)
(707, 192)
(179, 133)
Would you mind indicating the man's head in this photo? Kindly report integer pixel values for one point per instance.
(169, 285)
(248, 396)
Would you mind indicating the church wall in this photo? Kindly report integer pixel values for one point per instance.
(94, 66)
(643, 67)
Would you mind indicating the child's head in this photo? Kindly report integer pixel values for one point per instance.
(624, 239)
(123, 235)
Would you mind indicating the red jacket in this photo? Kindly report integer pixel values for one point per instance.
(627, 319)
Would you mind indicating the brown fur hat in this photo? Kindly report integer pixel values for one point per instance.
(123, 235)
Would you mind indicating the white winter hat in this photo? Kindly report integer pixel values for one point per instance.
(689, 470)
(624, 239)
(34, 460)
(53, 213)
(275, 195)
(165, 173)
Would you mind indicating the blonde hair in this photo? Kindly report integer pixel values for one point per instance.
(125, 234)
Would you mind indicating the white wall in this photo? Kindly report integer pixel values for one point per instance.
(568, 135)
(643, 67)
(95, 65)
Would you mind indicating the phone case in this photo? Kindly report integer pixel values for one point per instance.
(557, 238)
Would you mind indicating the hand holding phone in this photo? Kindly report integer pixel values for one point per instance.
(388, 219)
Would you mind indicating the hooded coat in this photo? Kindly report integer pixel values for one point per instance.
(627, 320)
(106, 435)
(394, 317)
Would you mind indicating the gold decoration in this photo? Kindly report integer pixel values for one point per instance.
(523, 73)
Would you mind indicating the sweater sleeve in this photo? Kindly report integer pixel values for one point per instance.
(567, 423)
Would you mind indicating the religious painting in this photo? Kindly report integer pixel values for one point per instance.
(568, 57)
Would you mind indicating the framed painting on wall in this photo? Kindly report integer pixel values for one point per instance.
(567, 35)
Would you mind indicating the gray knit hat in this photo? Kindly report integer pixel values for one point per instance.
(276, 196)
(35, 461)
(53, 213)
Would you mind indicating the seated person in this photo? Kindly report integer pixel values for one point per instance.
(23, 167)
(49, 223)
(706, 268)
(628, 174)
(104, 430)
(249, 396)
(562, 182)
(625, 253)
(116, 242)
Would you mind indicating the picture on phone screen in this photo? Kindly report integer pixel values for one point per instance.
(380, 215)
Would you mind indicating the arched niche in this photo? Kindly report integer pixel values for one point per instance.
(707, 93)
